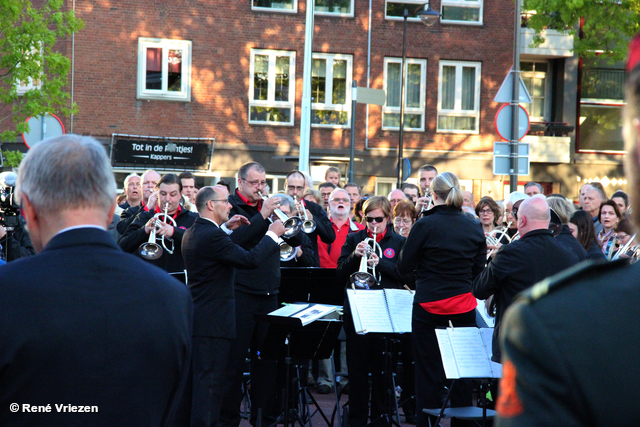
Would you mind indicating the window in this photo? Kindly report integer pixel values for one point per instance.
(27, 85)
(461, 11)
(459, 97)
(384, 186)
(534, 76)
(331, 90)
(30, 83)
(272, 87)
(164, 69)
(601, 100)
(414, 100)
(334, 7)
(395, 8)
(280, 5)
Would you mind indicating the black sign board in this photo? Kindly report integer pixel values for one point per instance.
(161, 152)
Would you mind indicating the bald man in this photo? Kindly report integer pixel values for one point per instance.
(522, 263)
(396, 196)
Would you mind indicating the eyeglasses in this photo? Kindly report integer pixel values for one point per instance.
(486, 212)
(374, 218)
(402, 221)
(294, 187)
(340, 200)
(256, 183)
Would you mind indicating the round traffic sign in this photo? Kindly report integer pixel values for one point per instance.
(37, 131)
(503, 122)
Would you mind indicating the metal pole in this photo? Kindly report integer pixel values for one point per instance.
(513, 143)
(305, 116)
(402, 80)
(354, 101)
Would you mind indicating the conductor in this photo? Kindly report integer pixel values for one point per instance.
(89, 335)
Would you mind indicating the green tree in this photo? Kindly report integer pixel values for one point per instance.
(28, 37)
(608, 24)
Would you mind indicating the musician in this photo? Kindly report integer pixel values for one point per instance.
(426, 175)
(567, 365)
(255, 292)
(404, 216)
(489, 213)
(447, 250)
(582, 228)
(365, 352)
(305, 255)
(512, 269)
(564, 209)
(512, 222)
(211, 258)
(166, 199)
(82, 323)
(295, 185)
(149, 182)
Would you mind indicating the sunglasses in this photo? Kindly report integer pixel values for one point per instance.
(374, 218)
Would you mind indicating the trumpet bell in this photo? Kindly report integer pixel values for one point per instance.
(308, 226)
(292, 226)
(150, 250)
(287, 252)
(362, 280)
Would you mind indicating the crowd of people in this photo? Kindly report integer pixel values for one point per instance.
(90, 335)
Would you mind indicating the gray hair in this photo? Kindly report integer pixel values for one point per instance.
(133, 175)
(285, 199)
(65, 172)
(514, 197)
(533, 184)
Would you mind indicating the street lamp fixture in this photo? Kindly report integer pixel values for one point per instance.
(428, 17)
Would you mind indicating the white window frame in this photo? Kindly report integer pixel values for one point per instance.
(270, 102)
(334, 14)
(423, 90)
(277, 10)
(457, 110)
(21, 89)
(185, 79)
(464, 4)
(329, 57)
(547, 89)
(401, 18)
(384, 180)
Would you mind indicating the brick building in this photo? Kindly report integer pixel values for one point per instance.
(232, 71)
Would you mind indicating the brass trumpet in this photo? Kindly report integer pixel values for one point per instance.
(150, 249)
(362, 278)
(287, 252)
(308, 225)
(494, 240)
(292, 225)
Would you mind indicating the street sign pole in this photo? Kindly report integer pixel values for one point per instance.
(352, 150)
(513, 143)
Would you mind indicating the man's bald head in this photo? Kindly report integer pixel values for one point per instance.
(533, 215)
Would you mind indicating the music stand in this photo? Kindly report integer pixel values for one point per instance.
(310, 284)
(288, 339)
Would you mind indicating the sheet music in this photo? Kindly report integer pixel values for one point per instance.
(481, 309)
(314, 312)
(369, 310)
(400, 303)
(487, 338)
(470, 353)
(288, 310)
(446, 353)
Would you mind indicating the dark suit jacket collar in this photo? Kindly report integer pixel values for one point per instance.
(81, 236)
(207, 222)
(541, 231)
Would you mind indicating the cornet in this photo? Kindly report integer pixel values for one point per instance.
(292, 225)
(362, 278)
(151, 250)
(308, 225)
(625, 249)
(287, 252)
(494, 240)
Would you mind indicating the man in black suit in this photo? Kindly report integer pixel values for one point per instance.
(571, 343)
(520, 264)
(82, 323)
(211, 258)
(295, 185)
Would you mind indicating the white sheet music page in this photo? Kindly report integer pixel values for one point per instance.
(484, 314)
(314, 312)
(487, 338)
(400, 302)
(446, 353)
(470, 353)
(369, 309)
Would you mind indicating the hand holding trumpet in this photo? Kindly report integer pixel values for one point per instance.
(364, 249)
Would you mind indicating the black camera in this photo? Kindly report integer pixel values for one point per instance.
(9, 211)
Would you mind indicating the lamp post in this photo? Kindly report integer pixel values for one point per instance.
(427, 17)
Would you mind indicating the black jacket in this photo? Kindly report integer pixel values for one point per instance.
(516, 267)
(567, 240)
(135, 236)
(126, 218)
(211, 258)
(391, 245)
(595, 252)
(447, 250)
(19, 245)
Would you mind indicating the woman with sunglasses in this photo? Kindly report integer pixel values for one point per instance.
(447, 250)
(365, 353)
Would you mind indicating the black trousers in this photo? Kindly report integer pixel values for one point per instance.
(210, 357)
(250, 334)
(430, 377)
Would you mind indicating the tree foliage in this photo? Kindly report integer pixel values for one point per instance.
(608, 24)
(28, 52)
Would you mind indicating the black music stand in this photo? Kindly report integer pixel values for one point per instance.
(288, 339)
(310, 284)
